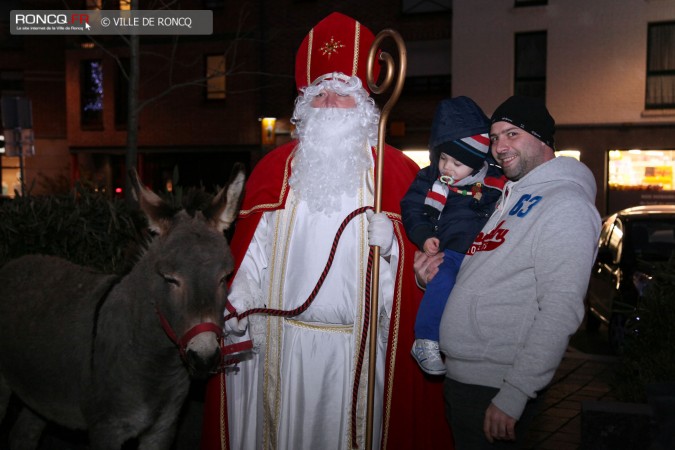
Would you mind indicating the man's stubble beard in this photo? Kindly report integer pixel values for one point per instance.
(332, 157)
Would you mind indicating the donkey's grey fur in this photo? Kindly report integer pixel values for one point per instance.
(87, 351)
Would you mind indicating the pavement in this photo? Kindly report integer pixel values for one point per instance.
(581, 377)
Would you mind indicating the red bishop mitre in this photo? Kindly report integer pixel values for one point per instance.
(336, 44)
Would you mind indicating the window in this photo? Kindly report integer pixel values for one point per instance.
(660, 92)
(91, 94)
(644, 170)
(11, 83)
(430, 84)
(530, 65)
(428, 67)
(7, 40)
(652, 239)
(519, 3)
(640, 177)
(10, 175)
(215, 77)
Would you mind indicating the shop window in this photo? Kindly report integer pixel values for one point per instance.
(640, 177)
(660, 92)
(10, 175)
(530, 64)
(91, 94)
(641, 169)
(215, 77)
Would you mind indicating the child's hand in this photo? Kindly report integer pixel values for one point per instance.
(431, 246)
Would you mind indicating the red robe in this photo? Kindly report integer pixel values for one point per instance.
(413, 416)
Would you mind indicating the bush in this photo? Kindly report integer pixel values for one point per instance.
(84, 227)
(649, 355)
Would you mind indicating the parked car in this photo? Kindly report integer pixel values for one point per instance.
(631, 241)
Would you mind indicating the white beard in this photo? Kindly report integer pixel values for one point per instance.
(332, 157)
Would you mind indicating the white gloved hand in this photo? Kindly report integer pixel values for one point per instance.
(380, 232)
(236, 326)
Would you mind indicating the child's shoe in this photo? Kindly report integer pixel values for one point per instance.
(428, 356)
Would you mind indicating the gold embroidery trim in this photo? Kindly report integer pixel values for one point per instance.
(269, 420)
(284, 188)
(357, 37)
(223, 404)
(395, 322)
(276, 298)
(310, 43)
(346, 329)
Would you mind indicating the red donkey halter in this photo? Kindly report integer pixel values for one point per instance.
(192, 332)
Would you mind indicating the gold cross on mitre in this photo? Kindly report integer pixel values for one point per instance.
(331, 47)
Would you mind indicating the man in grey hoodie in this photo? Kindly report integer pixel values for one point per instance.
(519, 293)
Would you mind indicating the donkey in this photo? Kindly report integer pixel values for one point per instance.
(114, 355)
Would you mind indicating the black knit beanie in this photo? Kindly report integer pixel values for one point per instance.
(530, 114)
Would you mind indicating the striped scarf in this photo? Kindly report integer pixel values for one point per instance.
(438, 194)
(436, 198)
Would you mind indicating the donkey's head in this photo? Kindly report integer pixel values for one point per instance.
(187, 265)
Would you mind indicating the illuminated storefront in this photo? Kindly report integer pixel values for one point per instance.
(11, 175)
(640, 177)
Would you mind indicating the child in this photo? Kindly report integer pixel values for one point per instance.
(446, 206)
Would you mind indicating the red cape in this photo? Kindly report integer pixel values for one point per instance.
(413, 416)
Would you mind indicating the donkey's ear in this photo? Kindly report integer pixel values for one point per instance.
(225, 206)
(158, 212)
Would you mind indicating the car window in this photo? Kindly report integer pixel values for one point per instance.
(653, 239)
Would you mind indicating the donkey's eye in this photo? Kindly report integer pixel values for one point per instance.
(170, 279)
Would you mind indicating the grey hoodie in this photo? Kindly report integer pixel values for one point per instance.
(520, 291)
